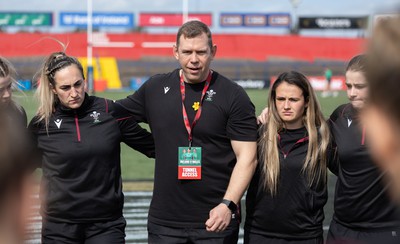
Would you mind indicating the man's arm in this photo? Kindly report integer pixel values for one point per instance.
(246, 155)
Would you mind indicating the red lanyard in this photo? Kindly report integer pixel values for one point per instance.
(198, 113)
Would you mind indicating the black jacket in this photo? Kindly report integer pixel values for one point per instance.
(81, 160)
(296, 211)
(361, 197)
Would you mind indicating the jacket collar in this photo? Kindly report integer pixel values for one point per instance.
(85, 105)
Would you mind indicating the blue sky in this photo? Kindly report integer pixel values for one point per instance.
(305, 8)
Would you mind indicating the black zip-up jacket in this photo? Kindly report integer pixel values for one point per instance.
(81, 160)
(362, 201)
(296, 211)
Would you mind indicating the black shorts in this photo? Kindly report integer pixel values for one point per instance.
(252, 238)
(85, 233)
(170, 235)
(339, 233)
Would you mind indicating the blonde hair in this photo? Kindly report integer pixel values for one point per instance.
(315, 162)
(47, 99)
(8, 70)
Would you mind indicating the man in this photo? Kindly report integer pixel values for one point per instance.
(196, 108)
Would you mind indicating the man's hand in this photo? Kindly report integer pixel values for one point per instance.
(263, 117)
(220, 217)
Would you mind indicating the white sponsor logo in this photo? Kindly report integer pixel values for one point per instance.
(166, 89)
(58, 123)
(349, 122)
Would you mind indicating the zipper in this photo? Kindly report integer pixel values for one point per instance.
(363, 136)
(78, 132)
(285, 154)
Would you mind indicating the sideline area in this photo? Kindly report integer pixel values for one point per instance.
(145, 185)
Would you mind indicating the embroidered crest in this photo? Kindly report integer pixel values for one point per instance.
(95, 116)
(210, 95)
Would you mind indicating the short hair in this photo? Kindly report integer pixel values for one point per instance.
(193, 29)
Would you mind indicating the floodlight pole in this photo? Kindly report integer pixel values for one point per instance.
(295, 5)
(90, 47)
(185, 11)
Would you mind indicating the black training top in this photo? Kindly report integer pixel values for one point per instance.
(361, 198)
(81, 160)
(227, 114)
(296, 211)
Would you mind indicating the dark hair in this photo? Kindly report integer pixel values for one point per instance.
(193, 29)
(293, 78)
(383, 72)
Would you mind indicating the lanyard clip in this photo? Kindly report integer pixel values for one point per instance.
(190, 144)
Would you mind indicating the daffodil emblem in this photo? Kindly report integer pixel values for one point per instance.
(196, 106)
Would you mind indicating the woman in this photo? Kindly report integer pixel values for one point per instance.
(79, 137)
(363, 212)
(383, 75)
(15, 182)
(7, 83)
(286, 196)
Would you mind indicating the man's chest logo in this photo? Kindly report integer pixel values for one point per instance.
(210, 95)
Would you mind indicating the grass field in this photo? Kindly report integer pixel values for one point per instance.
(135, 166)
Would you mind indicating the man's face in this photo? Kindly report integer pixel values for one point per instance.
(194, 56)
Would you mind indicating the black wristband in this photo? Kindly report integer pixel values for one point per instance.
(231, 205)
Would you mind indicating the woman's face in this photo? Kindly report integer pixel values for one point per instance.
(290, 104)
(5, 90)
(69, 86)
(357, 88)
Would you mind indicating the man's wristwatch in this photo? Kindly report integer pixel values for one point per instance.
(231, 205)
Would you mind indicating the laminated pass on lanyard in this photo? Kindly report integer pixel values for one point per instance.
(189, 158)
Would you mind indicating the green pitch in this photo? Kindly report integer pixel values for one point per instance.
(136, 166)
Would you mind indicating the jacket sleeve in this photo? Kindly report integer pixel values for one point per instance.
(135, 104)
(132, 134)
(334, 162)
(333, 158)
(35, 154)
